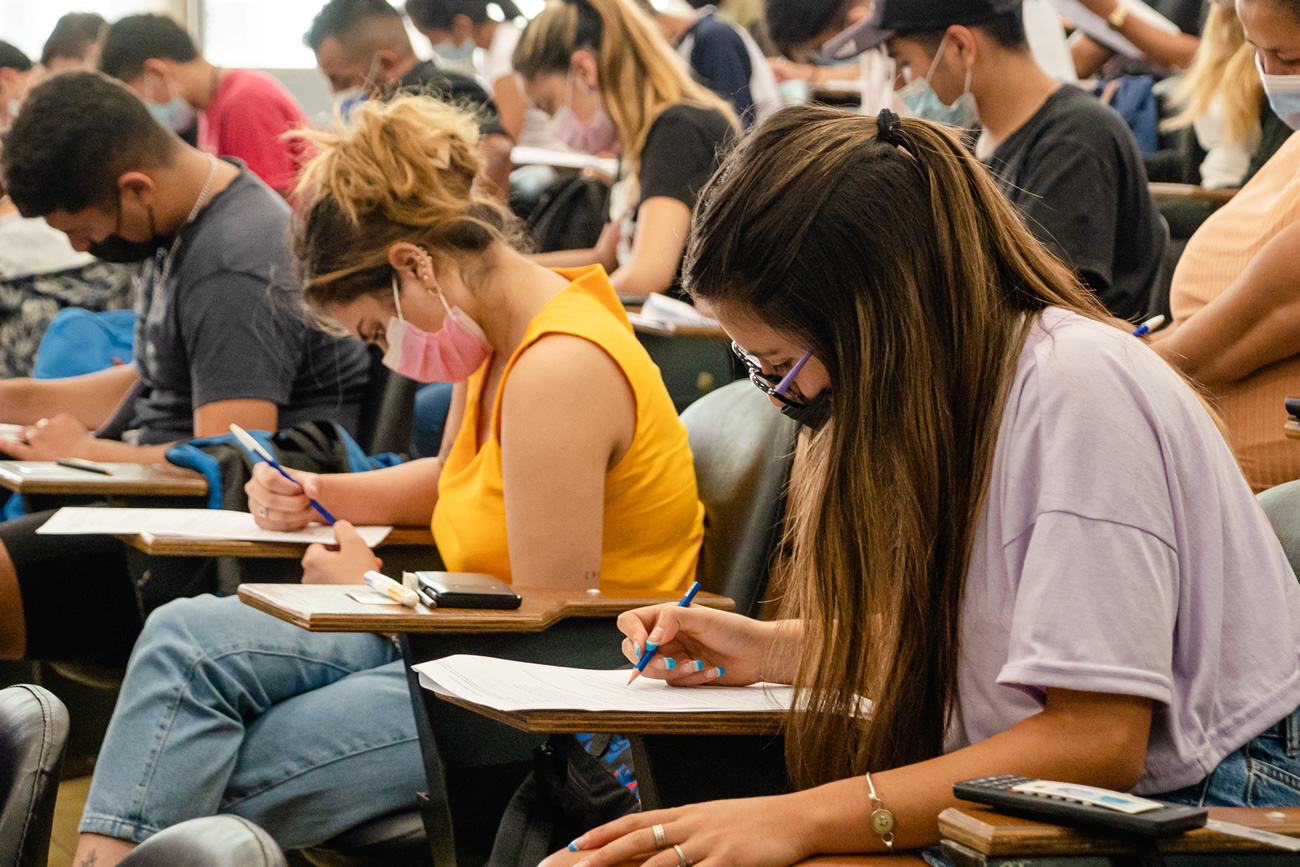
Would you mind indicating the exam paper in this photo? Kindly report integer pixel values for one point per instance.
(1095, 26)
(534, 156)
(507, 685)
(188, 524)
(12, 432)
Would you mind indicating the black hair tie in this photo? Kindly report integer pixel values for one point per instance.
(889, 128)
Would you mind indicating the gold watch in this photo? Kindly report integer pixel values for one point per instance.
(1115, 20)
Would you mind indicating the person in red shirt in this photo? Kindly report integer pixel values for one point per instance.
(241, 113)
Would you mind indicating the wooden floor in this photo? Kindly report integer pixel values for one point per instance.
(67, 813)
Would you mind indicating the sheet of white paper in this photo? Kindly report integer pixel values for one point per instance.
(188, 524)
(664, 309)
(510, 686)
(1047, 42)
(1095, 26)
(11, 432)
(533, 156)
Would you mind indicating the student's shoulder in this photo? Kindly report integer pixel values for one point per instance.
(246, 231)
(684, 119)
(1074, 115)
(712, 32)
(253, 86)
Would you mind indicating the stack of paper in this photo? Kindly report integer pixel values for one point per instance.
(1095, 26)
(188, 524)
(514, 686)
(663, 313)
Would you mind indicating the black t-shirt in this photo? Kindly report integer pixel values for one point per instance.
(459, 90)
(682, 150)
(1074, 172)
(229, 325)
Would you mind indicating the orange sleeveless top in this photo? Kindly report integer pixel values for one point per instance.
(653, 519)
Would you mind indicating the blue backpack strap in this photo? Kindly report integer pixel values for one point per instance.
(358, 460)
(190, 456)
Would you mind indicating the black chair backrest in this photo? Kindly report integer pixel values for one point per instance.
(33, 734)
(387, 409)
(212, 841)
(743, 449)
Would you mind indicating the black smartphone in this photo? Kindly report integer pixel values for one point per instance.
(1293, 407)
(468, 590)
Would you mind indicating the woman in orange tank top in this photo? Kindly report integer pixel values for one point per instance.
(564, 465)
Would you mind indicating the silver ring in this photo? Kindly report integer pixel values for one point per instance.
(682, 860)
(661, 840)
(261, 511)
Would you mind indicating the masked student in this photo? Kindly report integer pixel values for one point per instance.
(1053, 567)
(612, 85)
(364, 51)
(212, 344)
(1066, 161)
(1236, 312)
(564, 465)
(241, 113)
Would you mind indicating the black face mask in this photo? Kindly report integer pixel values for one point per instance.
(115, 248)
(812, 414)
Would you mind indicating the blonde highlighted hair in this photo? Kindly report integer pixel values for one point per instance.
(1224, 67)
(639, 75)
(401, 170)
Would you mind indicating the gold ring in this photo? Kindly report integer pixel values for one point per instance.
(682, 860)
(661, 840)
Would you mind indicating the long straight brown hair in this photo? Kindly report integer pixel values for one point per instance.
(915, 283)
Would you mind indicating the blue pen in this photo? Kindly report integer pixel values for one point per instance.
(650, 649)
(1150, 325)
(247, 441)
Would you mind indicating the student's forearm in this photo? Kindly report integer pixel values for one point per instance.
(1160, 47)
(91, 398)
(568, 258)
(1083, 748)
(403, 495)
(111, 451)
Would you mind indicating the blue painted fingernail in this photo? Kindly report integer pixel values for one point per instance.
(651, 646)
(573, 847)
(670, 663)
(636, 647)
(721, 671)
(699, 665)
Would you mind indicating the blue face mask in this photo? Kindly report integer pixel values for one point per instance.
(177, 115)
(1283, 93)
(921, 100)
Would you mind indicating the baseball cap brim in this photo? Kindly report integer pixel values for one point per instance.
(856, 38)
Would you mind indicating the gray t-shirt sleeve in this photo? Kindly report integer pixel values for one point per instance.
(241, 344)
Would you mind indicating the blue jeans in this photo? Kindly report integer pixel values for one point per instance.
(228, 710)
(1263, 773)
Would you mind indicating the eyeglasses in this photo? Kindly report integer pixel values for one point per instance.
(771, 385)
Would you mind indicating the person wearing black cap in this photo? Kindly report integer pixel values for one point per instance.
(1068, 162)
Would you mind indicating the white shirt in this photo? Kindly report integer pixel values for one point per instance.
(31, 247)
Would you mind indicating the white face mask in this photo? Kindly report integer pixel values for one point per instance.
(1283, 95)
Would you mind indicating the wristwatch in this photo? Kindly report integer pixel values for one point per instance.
(1115, 20)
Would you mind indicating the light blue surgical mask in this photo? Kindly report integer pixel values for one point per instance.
(921, 100)
(1283, 93)
(458, 58)
(345, 101)
(176, 114)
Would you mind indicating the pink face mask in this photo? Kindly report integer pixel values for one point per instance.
(596, 136)
(449, 354)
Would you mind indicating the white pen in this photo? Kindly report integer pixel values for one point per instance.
(390, 588)
(1150, 325)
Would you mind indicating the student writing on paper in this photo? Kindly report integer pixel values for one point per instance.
(1162, 47)
(1018, 531)
(219, 337)
(1236, 325)
(611, 84)
(564, 465)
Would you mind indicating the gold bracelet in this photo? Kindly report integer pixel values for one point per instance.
(882, 821)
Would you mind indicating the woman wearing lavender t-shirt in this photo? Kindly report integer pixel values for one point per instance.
(1016, 529)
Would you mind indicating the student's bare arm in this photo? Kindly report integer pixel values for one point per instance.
(91, 399)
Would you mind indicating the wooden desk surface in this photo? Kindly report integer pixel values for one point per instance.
(577, 721)
(163, 546)
(902, 859)
(47, 477)
(1190, 191)
(994, 833)
(708, 332)
(328, 608)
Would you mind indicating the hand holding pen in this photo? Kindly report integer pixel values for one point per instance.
(690, 646)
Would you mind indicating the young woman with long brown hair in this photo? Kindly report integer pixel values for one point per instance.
(612, 84)
(1018, 531)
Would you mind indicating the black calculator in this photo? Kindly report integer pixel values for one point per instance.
(1081, 806)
